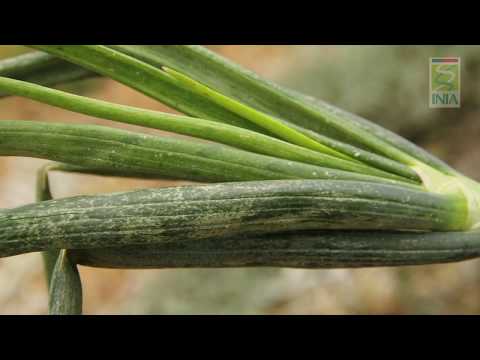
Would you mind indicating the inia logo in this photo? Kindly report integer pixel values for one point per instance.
(445, 82)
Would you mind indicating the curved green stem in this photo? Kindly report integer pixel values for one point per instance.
(65, 295)
(154, 216)
(63, 280)
(307, 249)
(43, 193)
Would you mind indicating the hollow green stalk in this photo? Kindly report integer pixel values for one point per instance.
(63, 280)
(124, 153)
(178, 214)
(43, 193)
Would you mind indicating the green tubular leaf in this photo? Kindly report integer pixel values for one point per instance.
(65, 288)
(65, 291)
(43, 193)
(157, 216)
(41, 68)
(306, 249)
(119, 152)
(205, 129)
(146, 79)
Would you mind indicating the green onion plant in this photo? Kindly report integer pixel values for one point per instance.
(283, 179)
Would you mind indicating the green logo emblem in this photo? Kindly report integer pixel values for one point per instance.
(445, 82)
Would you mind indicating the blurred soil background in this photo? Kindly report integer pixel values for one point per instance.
(386, 84)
